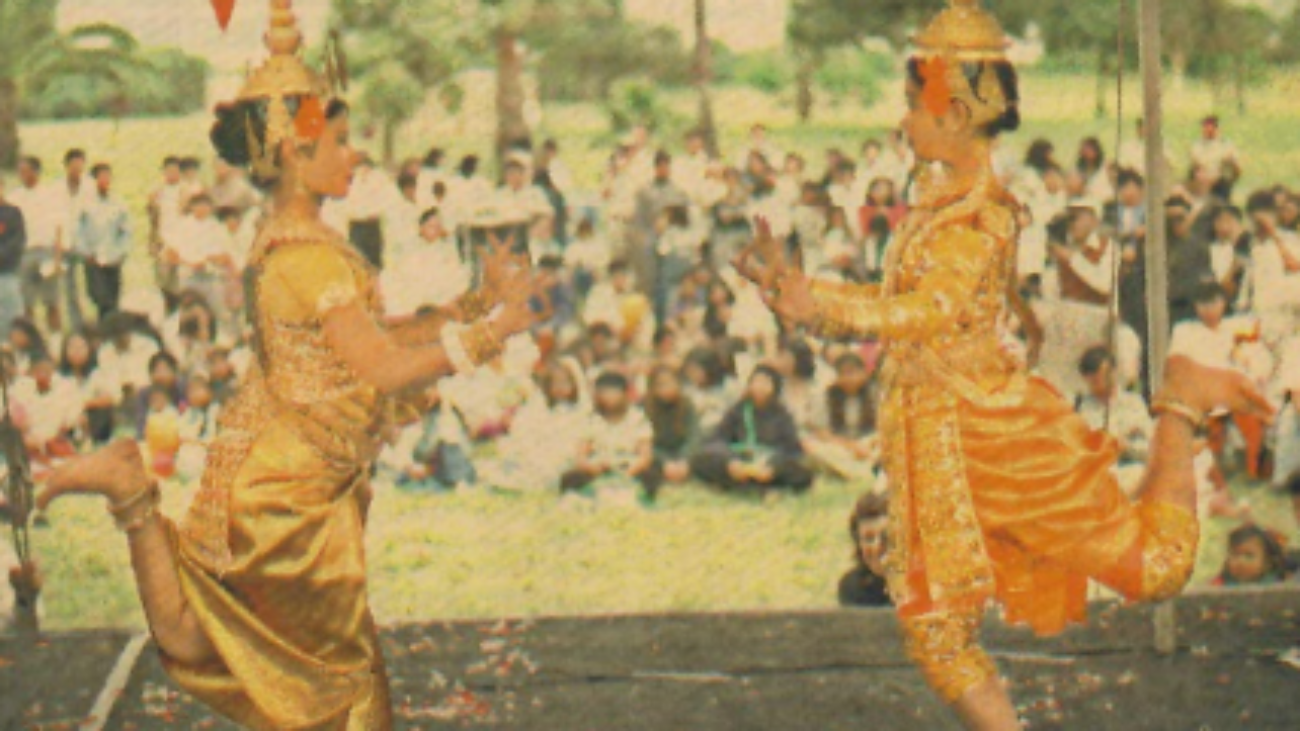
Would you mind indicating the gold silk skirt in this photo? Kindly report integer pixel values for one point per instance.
(1010, 499)
(289, 617)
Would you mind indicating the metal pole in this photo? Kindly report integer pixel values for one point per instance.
(1165, 619)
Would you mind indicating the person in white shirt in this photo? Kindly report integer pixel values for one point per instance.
(125, 354)
(53, 407)
(1218, 157)
(75, 193)
(1086, 266)
(691, 168)
(516, 199)
(430, 274)
(165, 214)
(759, 143)
(467, 191)
(431, 172)
(200, 251)
(370, 204)
(618, 447)
(46, 238)
(1275, 271)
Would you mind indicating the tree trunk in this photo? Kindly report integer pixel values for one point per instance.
(8, 124)
(804, 82)
(512, 128)
(1102, 84)
(1239, 69)
(703, 75)
(390, 141)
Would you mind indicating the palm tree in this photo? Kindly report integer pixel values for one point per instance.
(703, 73)
(32, 51)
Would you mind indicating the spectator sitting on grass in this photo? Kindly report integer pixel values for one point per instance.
(844, 442)
(197, 427)
(707, 386)
(757, 444)
(164, 376)
(439, 458)
(619, 445)
(546, 433)
(864, 585)
(1255, 557)
(674, 421)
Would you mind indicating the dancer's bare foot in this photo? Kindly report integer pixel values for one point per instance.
(116, 472)
(1206, 389)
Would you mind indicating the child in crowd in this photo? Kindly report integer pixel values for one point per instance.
(707, 386)
(587, 258)
(618, 448)
(161, 431)
(439, 457)
(674, 421)
(864, 584)
(53, 408)
(757, 444)
(844, 442)
(627, 312)
(546, 433)
(1255, 557)
(164, 376)
(197, 427)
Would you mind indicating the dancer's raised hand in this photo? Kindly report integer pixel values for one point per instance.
(499, 260)
(1206, 389)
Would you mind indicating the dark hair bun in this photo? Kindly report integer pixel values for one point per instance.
(230, 133)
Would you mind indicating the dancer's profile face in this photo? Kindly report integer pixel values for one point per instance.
(327, 169)
(933, 138)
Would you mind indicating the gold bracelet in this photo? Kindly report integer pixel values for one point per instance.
(481, 343)
(475, 305)
(127, 523)
(1161, 406)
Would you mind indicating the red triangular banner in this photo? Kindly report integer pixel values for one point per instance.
(224, 8)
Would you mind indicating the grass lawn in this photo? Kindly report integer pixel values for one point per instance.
(486, 554)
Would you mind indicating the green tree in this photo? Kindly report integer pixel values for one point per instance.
(32, 51)
(817, 28)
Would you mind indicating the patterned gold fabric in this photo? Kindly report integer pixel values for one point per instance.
(997, 488)
(945, 645)
(271, 554)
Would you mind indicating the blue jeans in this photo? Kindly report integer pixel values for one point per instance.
(1288, 444)
(11, 302)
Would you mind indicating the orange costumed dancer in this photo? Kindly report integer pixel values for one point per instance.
(998, 491)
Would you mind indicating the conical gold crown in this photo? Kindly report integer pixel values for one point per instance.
(963, 32)
(284, 74)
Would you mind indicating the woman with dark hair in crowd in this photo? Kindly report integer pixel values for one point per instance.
(26, 343)
(1041, 156)
(1255, 556)
(674, 421)
(257, 601)
(756, 446)
(707, 385)
(864, 584)
(881, 201)
(79, 364)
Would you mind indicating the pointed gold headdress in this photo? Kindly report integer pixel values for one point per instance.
(963, 37)
(296, 94)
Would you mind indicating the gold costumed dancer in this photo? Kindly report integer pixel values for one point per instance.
(257, 600)
(998, 490)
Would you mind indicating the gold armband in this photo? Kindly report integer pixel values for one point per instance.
(1161, 406)
(475, 305)
(133, 513)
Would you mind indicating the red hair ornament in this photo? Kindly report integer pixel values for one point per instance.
(936, 95)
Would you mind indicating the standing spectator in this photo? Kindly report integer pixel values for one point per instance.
(231, 189)
(165, 214)
(651, 203)
(104, 236)
(1218, 157)
(74, 196)
(678, 248)
(587, 258)
(619, 445)
(191, 182)
(46, 238)
(13, 242)
(430, 173)
(864, 585)
(758, 143)
(201, 252)
(372, 198)
(757, 444)
(731, 227)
